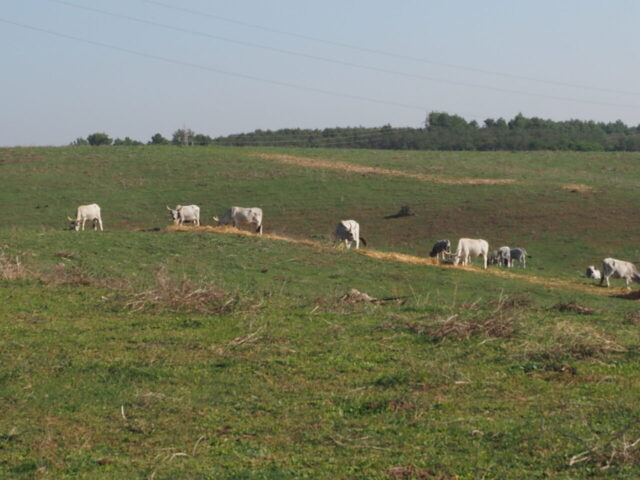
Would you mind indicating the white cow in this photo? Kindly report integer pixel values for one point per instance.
(240, 215)
(501, 257)
(185, 213)
(349, 231)
(593, 272)
(470, 248)
(619, 269)
(84, 213)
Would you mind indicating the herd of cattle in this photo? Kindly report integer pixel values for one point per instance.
(348, 231)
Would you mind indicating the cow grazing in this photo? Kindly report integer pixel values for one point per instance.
(501, 257)
(440, 249)
(238, 216)
(612, 267)
(348, 231)
(593, 272)
(519, 254)
(185, 214)
(84, 213)
(470, 248)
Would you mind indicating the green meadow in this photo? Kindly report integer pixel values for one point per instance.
(143, 352)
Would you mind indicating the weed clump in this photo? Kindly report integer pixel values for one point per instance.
(452, 328)
(182, 294)
(12, 269)
(571, 340)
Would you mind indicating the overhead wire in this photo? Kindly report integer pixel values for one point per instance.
(340, 62)
(383, 52)
(213, 69)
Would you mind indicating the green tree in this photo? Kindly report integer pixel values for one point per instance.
(158, 139)
(183, 136)
(97, 139)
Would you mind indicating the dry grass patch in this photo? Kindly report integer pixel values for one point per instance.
(323, 164)
(572, 340)
(182, 294)
(577, 188)
(12, 268)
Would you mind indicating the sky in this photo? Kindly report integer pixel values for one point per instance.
(139, 67)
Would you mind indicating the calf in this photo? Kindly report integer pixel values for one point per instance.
(519, 254)
(440, 249)
(501, 257)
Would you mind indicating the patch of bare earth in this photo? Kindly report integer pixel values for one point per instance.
(323, 164)
(577, 188)
(413, 260)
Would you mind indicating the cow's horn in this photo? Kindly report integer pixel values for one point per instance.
(215, 219)
(168, 208)
(69, 218)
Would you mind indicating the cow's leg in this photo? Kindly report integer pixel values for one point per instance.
(259, 229)
(100, 223)
(83, 222)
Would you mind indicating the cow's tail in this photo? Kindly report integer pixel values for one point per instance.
(364, 242)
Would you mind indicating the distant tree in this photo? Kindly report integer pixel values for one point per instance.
(183, 136)
(158, 139)
(200, 139)
(126, 142)
(97, 139)
(79, 142)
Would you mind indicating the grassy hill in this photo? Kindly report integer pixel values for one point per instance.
(142, 353)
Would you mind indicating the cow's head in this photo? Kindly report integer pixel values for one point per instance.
(216, 219)
(73, 225)
(591, 272)
(174, 214)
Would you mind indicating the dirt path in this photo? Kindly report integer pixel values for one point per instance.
(553, 283)
(323, 164)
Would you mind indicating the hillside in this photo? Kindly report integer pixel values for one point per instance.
(153, 352)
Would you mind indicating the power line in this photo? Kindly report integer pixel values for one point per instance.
(386, 53)
(214, 70)
(339, 62)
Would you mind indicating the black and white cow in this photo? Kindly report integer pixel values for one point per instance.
(440, 249)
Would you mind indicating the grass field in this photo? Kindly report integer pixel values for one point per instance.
(147, 352)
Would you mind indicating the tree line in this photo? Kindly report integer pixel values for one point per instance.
(441, 131)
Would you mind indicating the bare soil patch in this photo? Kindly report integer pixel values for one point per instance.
(577, 188)
(415, 260)
(324, 164)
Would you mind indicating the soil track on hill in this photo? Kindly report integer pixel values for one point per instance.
(323, 164)
(556, 284)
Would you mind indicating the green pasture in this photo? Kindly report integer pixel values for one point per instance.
(142, 353)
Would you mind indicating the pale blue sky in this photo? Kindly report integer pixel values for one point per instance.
(158, 65)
